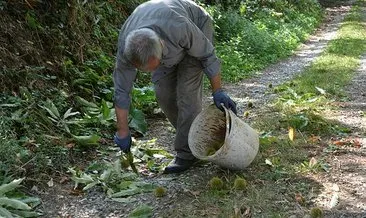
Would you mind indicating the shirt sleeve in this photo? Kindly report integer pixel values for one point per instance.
(197, 45)
(123, 78)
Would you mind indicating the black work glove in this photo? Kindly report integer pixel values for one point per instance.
(220, 97)
(123, 143)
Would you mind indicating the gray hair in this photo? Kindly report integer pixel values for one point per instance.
(142, 44)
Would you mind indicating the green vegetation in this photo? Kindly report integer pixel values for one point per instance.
(141, 211)
(57, 99)
(56, 104)
(312, 92)
(14, 204)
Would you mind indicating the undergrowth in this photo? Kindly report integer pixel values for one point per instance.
(58, 57)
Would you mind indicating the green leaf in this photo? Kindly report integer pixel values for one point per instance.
(87, 140)
(31, 21)
(91, 185)
(322, 91)
(129, 176)
(106, 111)
(142, 211)
(137, 121)
(72, 171)
(106, 174)
(146, 187)
(33, 202)
(10, 186)
(9, 105)
(5, 213)
(124, 200)
(124, 185)
(117, 167)
(130, 159)
(125, 193)
(69, 114)
(53, 120)
(13, 203)
(109, 192)
(86, 103)
(23, 213)
(153, 152)
(67, 129)
(84, 178)
(52, 109)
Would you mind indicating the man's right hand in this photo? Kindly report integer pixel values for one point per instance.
(124, 143)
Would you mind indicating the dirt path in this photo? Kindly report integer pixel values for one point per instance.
(347, 180)
(183, 188)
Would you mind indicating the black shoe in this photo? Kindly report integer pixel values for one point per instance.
(179, 165)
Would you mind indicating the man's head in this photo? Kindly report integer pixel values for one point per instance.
(143, 48)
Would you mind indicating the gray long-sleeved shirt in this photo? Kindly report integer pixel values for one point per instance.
(179, 24)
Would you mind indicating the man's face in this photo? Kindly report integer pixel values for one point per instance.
(152, 65)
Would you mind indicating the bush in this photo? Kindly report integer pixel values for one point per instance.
(260, 33)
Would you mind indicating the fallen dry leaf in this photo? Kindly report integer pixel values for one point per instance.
(64, 179)
(76, 192)
(237, 212)
(268, 162)
(300, 199)
(334, 201)
(339, 143)
(357, 143)
(70, 145)
(314, 138)
(312, 162)
(291, 133)
(195, 193)
(50, 183)
(348, 141)
(242, 212)
(247, 212)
